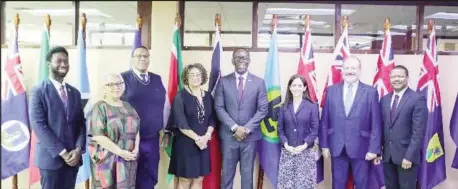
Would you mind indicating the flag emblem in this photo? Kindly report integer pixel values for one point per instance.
(15, 135)
(269, 124)
(435, 150)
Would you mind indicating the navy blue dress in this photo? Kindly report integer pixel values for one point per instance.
(187, 159)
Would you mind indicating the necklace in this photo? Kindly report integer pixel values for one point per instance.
(200, 106)
(139, 79)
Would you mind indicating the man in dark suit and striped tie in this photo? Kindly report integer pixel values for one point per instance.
(405, 114)
(57, 118)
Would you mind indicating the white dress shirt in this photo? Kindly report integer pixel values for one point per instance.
(354, 89)
(139, 76)
(58, 85)
(400, 94)
(237, 81)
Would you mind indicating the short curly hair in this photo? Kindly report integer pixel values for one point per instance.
(200, 67)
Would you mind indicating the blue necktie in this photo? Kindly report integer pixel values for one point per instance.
(143, 77)
(394, 106)
(348, 99)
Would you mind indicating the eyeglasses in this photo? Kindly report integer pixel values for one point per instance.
(141, 56)
(117, 84)
(241, 58)
(195, 75)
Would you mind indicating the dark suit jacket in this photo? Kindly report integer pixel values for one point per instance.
(55, 129)
(300, 127)
(403, 137)
(360, 132)
(248, 113)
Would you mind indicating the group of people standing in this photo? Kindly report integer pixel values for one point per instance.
(124, 127)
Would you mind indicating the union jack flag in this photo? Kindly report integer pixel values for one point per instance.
(384, 65)
(14, 119)
(429, 73)
(432, 167)
(12, 79)
(341, 52)
(306, 69)
(306, 66)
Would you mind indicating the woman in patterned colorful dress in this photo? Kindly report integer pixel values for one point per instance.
(297, 130)
(113, 131)
(194, 120)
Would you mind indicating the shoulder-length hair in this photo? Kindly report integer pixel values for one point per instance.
(289, 95)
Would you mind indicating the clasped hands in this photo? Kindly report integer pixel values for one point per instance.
(202, 141)
(369, 156)
(241, 133)
(73, 157)
(295, 150)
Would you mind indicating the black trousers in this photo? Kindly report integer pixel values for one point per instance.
(62, 178)
(398, 178)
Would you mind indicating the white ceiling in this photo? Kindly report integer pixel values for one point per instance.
(364, 19)
(236, 16)
(111, 13)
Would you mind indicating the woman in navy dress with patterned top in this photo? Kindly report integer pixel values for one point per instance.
(193, 116)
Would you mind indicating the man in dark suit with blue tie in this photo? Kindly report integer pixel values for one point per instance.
(351, 126)
(57, 118)
(405, 115)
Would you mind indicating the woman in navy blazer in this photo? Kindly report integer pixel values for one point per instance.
(297, 130)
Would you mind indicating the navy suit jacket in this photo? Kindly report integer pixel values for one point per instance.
(360, 132)
(55, 128)
(403, 136)
(300, 127)
(248, 113)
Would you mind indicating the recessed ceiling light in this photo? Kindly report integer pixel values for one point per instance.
(65, 12)
(345, 12)
(443, 15)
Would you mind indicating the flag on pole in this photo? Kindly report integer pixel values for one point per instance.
(82, 84)
(269, 147)
(43, 73)
(213, 180)
(341, 52)
(454, 132)
(432, 166)
(15, 119)
(385, 64)
(137, 40)
(306, 69)
(175, 84)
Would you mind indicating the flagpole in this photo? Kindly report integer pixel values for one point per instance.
(261, 171)
(83, 29)
(16, 27)
(350, 182)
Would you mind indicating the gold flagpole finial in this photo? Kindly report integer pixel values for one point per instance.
(345, 22)
(178, 20)
(307, 21)
(139, 22)
(17, 20)
(387, 24)
(48, 21)
(83, 21)
(431, 26)
(274, 21)
(218, 21)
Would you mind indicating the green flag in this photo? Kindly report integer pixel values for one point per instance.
(175, 84)
(43, 71)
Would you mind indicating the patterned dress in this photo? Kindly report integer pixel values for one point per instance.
(120, 125)
(297, 171)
